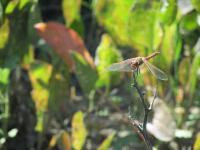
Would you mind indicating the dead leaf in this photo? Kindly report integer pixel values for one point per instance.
(63, 40)
(163, 125)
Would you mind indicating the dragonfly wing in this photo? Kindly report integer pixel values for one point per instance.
(121, 66)
(159, 74)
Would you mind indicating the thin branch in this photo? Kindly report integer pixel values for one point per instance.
(146, 112)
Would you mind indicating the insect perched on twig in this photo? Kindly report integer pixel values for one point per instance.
(133, 64)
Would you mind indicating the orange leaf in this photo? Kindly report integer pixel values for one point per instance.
(63, 40)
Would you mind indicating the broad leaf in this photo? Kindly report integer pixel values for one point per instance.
(196, 145)
(4, 33)
(4, 79)
(107, 54)
(4, 75)
(194, 74)
(62, 139)
(107, 142)
(168, 11)
(59, 91)
(40, 73)
(79, 131)
(71, 10)
(64, 41)
(163, 124)
(86, 75)
(136, 24)
(196, 4)
(11, 6)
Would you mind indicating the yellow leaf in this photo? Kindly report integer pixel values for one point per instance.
(79, 131)
(53, 141)
(39, 74)
(66, 140)
(197, 142)
(4, 33)
(107, 142)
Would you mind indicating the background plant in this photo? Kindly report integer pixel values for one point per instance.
(55, 91)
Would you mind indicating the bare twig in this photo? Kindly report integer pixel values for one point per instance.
(146, 112)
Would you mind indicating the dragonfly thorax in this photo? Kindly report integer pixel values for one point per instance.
(136, 62)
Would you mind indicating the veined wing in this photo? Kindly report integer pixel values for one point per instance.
(159, 74)
(123, 66)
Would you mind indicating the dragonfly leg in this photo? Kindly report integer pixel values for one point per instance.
(137, 72)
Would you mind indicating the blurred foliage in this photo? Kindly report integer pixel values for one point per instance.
(79, 104)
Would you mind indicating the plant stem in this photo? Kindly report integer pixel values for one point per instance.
(146, 112)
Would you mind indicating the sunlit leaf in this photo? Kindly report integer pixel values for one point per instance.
(168, 46)
(197, 142)
(106, 54)
(71, 10)
(23, 3)
(196, 4)
(168, 11)
(79, 131)
(163, 124)
(64, 41)
(143, 28)
(4, 75)
(136, 25)
(13, 132)
(66, 140)
(86, 75)
(61, 139)
(40, 73)
(4, 33)
(107, 142)
(53, 141)
(120, 10)
(11, 6)
(28, 57)
(181, 133)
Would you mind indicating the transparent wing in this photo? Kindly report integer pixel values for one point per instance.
(159, 74)
(123, 66)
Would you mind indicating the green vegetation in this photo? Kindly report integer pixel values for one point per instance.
(57, 93)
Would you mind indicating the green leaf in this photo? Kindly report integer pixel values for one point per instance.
(4, 33)
(86, 75)
(189, 22)
(183, 74)
(23, 3)
(39, 74)
(34, 17)
(11, 6)
(107, 142)
(59, 90)
(196, 145)
(168, 11)
(194, 73)
(196, 4)
(135, 25)
(143, 27)
(79, 132)
(71, 10)
(107, 54)
(4, 75)
(113, 15)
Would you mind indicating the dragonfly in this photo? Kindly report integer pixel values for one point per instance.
(133, 64)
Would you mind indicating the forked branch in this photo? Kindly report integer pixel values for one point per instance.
(142, 129)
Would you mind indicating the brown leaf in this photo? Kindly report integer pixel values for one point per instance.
(63, 40)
